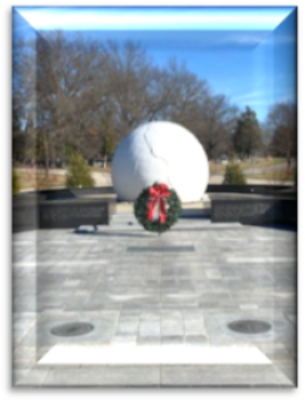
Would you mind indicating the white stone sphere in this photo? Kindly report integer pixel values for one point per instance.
(162, 152)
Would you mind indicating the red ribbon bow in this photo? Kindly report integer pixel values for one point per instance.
(157, 193)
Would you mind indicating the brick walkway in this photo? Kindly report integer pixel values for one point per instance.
(137, 288)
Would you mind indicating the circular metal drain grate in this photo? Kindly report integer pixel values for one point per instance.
(72, 329)
(249, 326)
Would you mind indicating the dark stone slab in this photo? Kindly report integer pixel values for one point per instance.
(64, 194)
(249, 327)
(24, 219)
(63, 208)
(87, 192)
(161, 249)
(74, 192)
(71, 214)
(254, 189)
(24, 213)
(230, 211)
(255, 210)
(72, 329)
(241, 196)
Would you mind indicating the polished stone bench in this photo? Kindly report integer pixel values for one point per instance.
(63, 208)
(253, 204)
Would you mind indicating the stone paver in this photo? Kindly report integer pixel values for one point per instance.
(223, 376)
(155, 297)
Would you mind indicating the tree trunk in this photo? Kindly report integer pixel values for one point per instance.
(288, 158)
(47, 156)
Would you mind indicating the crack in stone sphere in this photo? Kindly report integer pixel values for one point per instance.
(164, 152)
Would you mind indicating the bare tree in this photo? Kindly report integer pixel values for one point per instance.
(219, 119)
(24, 99)
(90, 93)
(70, 90)
(180, 92)
(130, 76)
(282, 120)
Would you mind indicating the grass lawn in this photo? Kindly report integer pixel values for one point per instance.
(216, 169)
(37, 179)
(219, 169)
(262, 162)
(281, 175)
(100, 169)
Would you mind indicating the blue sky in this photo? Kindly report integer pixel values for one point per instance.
(246, 53)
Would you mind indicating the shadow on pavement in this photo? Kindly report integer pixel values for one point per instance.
(109, 234)
(290, 228)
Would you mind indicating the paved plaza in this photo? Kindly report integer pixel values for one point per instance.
(137, 289)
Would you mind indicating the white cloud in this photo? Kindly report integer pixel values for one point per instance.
(247, 39)
(262, 102)
(252, 96)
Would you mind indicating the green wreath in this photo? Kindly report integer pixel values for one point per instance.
(157, 197)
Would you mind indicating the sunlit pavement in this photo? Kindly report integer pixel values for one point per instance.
(142, 291)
